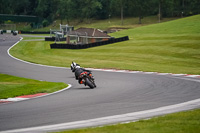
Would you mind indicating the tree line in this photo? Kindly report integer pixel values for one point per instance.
(99, 9)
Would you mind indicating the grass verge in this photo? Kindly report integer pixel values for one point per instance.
(32, 38)
(11, 86)
(170, 47)
(182, 122)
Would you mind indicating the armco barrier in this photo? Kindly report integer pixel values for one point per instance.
(35, 32)
(84, 46)
(53, 39)
(49, 38)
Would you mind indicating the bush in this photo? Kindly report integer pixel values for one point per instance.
(45, 23)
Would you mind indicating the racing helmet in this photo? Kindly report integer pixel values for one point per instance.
(74, 66)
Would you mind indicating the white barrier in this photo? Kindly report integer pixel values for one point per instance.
(11, 31)
(8, 31)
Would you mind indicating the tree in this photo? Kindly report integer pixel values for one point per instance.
(104, 12)
(190, 7)
(118, 7)
(7, 7)
(47, 9)
(22, 7)
(90, 8)
(62, 10)
(141, 8)
(32, 7)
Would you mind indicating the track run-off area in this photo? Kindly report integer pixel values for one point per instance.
(120, 96)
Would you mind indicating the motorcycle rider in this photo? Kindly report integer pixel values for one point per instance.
(78, 71)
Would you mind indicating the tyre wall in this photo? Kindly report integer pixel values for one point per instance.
(53, 39)
(84, 46)
(34, 32)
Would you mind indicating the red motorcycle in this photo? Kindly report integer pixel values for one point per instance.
(87, 79)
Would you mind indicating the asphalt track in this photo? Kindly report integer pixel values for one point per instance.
(116, 94)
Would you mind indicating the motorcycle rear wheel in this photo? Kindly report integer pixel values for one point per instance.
(89, 83)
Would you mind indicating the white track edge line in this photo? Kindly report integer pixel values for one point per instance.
(22, 99)
(21, 38)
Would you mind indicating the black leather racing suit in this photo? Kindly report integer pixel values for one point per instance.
(78, 72)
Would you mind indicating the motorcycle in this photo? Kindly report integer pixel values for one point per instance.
(84, 76)
(88, 79)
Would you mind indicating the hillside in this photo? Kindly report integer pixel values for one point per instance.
(171, 45)
(188, 25)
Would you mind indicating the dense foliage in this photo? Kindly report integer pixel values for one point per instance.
(99, 9)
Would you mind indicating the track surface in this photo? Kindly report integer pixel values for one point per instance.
(117, 93)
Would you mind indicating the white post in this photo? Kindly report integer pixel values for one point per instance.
(86, 38)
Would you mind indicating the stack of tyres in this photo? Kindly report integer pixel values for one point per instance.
(84, 46)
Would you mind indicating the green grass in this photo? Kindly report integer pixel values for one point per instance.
(32, 38)
(172, 46)
(183, 122)
(11, 86)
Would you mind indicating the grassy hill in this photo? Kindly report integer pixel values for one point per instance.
(188, 25)
(169, 46)
(172, 46)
